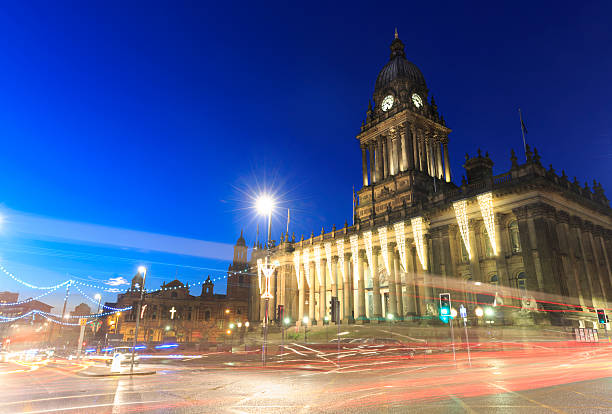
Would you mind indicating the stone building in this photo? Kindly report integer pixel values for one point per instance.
(528, 240)
(173, 313)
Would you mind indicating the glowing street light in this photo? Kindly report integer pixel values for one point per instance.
(232, 326)
(479, 312)
(264, 205)
(287, 321)
(247, 324)
(489, 311)
(453, 312)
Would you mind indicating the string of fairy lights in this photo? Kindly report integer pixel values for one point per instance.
(76, 283)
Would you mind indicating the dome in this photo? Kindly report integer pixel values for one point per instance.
(398, 67)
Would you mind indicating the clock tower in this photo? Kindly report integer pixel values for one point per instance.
(404, 141)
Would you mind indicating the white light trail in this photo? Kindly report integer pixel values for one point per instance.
(485, 201)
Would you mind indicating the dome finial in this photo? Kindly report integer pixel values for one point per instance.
(396, 33)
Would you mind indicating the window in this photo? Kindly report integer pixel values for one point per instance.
(515, 241)
(521, 281)
(173, 294)
(494, 280)
(488, 249)
(189, 313)
(240, 280)
(207, 315)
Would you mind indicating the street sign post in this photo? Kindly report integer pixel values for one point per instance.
(463, 313)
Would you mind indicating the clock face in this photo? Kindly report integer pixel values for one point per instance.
(416, 100)
(387, 103)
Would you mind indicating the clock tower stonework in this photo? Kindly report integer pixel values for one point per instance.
(404, 141)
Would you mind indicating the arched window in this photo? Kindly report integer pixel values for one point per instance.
(515, 240)
(240, 280)
(207, 315)
(521, 281)
(173, 294)
(488, 249)
(494, 280)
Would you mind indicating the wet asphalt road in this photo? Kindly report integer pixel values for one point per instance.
(569, 381)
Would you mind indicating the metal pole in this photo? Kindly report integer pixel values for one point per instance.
(453, 340)
(64, 308)
(265, 338)
(338, 333)
(144, 277)
(467, 341)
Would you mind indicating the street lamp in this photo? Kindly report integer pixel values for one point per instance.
(305, 320)
(264, 206)
(142, 271)
(479, 312)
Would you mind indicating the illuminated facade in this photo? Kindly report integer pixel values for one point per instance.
(173, 314)
(527, 233)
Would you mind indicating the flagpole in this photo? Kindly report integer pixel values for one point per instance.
(523, 133)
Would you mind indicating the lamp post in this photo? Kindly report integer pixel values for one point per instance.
(143, 271)
(99, 297)
(305, 322)
(265, 205)
(390, 317)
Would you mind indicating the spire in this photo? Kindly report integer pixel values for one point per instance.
(397, 47)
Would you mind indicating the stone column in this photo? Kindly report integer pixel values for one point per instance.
(447, 171)
(379, 160)
(301, 291)
(372, 163)
(392, 288)
(408, 152)
(347, 292)
(311, 294)
(334, 277)
(376, 300)
(424, 154)
(601, 277)
(385, 157)
(323, 291)
(415, 291)
(474, 260)
(569, 250)
(415, 148)
(361, 312)
(403, 154)
(439, 172)
(364, 165)
(398, 285)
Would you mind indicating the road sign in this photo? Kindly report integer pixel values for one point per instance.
(463, 311)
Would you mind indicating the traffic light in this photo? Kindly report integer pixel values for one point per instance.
(445, 307)
(335, 308)
(279, 313)
(601, 316)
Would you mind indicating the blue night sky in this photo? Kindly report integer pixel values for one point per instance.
(134, 132)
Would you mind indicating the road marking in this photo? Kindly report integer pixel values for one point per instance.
(84, 407)
(528, 399)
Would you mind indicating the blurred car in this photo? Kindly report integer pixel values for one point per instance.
(125, 354)
(5, 356)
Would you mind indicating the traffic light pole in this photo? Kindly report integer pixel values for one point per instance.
(467, 341)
